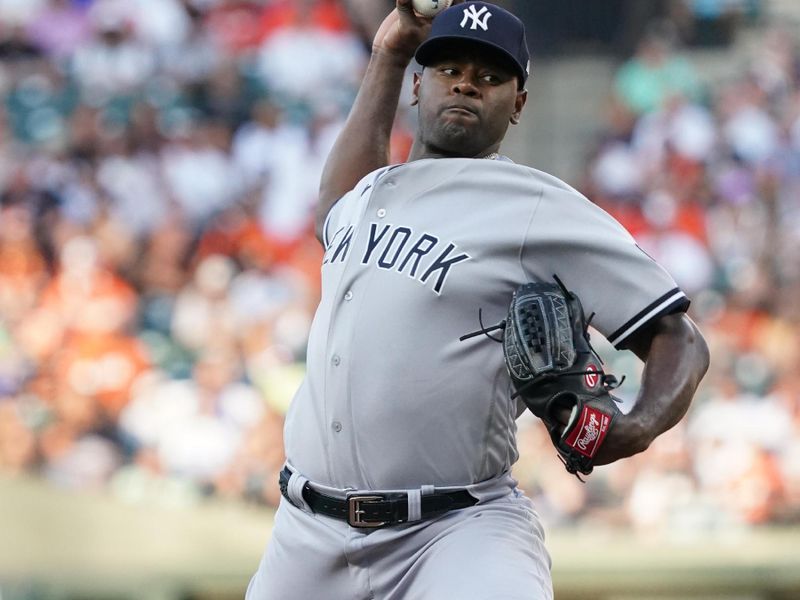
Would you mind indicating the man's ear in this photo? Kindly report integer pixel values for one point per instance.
(415, 89)
(519, 104)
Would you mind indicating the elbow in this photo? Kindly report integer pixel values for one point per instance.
(679, 334)
(696, 341)
(706, 358)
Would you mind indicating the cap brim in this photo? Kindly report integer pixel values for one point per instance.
(431, 48)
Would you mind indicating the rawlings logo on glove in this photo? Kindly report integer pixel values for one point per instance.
(591, 432)
(555, 371)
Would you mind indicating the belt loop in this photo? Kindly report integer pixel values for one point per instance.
(427, 490)
(414, 505)
(295, 491)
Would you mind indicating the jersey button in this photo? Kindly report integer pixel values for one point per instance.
(348, 295)
(336, 426)
(381, 213)
(336, 360)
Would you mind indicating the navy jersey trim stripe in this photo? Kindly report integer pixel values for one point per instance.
(673, 301)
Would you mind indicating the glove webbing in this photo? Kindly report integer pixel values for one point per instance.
(608, 381)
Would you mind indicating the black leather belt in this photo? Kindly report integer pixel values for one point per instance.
(377, 510)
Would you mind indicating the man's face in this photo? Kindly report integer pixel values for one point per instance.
(467, 98)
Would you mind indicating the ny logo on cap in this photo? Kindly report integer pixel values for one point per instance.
(479, 18)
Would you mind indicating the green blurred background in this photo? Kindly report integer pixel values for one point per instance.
(159, 162)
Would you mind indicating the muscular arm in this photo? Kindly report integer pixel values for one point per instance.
(676, 358)
(363, 144)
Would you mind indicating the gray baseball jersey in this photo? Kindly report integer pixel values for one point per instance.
(392, 399)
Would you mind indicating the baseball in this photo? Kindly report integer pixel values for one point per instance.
(430, 8)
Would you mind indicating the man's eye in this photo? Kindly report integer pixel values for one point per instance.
(491, 79)
(448, 71)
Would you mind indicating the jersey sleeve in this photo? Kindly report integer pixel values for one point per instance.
(600, 261)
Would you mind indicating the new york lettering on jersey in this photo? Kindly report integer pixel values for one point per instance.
(419, 255)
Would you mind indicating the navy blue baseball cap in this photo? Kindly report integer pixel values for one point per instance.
(481, 23)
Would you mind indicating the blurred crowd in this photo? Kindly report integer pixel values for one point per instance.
(159, 162)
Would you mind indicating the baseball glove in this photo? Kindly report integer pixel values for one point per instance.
(555, 370)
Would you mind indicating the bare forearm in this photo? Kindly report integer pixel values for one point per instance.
(363, 144)
(676, 358)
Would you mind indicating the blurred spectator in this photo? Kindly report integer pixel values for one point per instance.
(97, 357)
(114, 62)
(15, 46)
(714, 22)
(747, 126)
(677, 126)
(308, 53)
(235, 25)
(39, 100)
(200, 51)
(17, 441)
(789, 458)
(158, 23)
(23, 268)
(132, 181)
(202, 314)
(195, 427)
(60, 29)
(16, 12)
(655, 73)
(281, 162)
(675, 237)
(664, 491)
(198, 171)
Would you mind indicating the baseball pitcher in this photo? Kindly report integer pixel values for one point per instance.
(401, 439)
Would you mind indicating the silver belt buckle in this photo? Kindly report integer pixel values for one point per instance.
(355, 514)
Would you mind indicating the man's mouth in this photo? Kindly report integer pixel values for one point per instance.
(460, 109)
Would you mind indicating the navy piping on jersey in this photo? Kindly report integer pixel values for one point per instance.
(325, 236)
(674, 301)
(325, 242)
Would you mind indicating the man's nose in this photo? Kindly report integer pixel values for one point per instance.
(466, 87)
